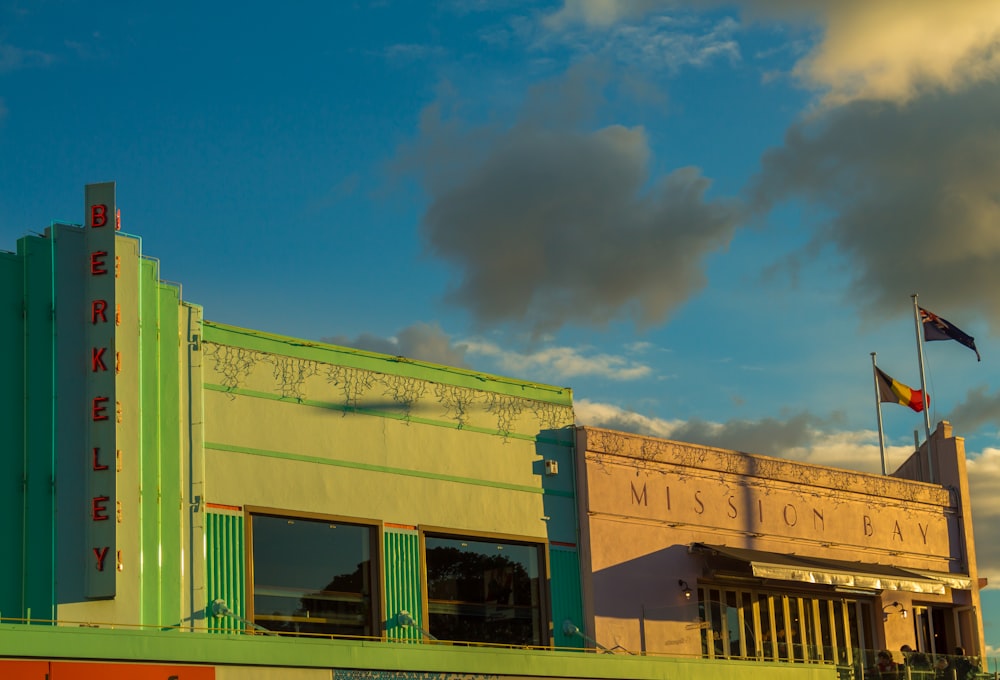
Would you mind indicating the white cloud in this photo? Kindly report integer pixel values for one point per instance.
(660, 41)
(599, 13)
(896, 49)
(561, 363)
(890, 50)
(15, 58)
(596, 414)
(984, 488)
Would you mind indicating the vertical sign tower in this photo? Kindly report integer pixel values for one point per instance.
(102, 410)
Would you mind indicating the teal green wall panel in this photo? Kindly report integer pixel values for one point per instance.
(12, 425)
(226, 576)
(71, 374)
(401, 560)
(567, 598)
(160, 459)
(37, 555)
(171, 495)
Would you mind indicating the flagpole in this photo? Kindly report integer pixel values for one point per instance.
(923, 386)
(878, 410)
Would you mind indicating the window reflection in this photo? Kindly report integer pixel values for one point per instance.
(791, 627)
(484, 591)
(311, 576)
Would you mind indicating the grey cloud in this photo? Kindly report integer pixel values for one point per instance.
(794, 437)
(977, 410)
(423, 341)
(767, 436)
(912, 194)
(549, 223)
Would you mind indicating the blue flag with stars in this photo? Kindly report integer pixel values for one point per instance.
(936, 328)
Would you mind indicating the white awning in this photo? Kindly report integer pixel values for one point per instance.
(839, 573)
(956, 581)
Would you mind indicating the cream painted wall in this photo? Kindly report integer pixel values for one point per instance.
(349, 452)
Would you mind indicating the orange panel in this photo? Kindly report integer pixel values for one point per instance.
(82, 670)
(24, 670)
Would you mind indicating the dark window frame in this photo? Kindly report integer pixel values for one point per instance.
(543, 612)
(375, 613)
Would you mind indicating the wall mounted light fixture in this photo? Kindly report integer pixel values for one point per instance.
(219, 609)
(570, 629)
(897, 605)
(685, 588)
(405, 620)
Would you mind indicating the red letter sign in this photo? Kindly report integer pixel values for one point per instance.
(98, 408)
(97, 264)
(97, 309)
(98, 466)
(98, 215)
(98, 509)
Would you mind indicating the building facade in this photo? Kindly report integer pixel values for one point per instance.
(691, 550)
(169, 462)
(185, 498)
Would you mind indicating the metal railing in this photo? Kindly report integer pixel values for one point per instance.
(884, 665)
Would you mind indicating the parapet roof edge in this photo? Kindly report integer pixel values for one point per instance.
(226, 334)
(791, 461)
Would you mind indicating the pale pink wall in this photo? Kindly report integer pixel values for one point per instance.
(646, 500)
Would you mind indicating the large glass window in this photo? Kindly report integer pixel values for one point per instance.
(312, 575)
(784, 627)
(481, 590)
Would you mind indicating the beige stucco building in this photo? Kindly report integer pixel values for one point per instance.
(691, 550)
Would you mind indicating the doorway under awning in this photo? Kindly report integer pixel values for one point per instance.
(838, 573)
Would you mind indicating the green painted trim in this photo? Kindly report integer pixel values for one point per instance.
(401, 582)
(567, 594)
(343, 408)
(171, 492)
(149, 437)
(383, 363)
(276, 652)
(225, 572)
(281, 455)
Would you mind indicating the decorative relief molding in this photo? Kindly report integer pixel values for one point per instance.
(732, 468)
(235, 366)
(457, 401)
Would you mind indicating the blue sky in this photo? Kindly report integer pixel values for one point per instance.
(703, 216)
